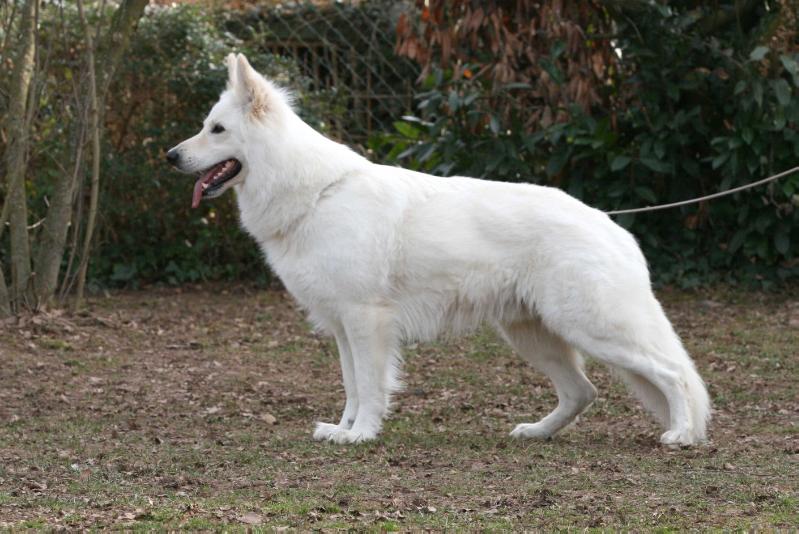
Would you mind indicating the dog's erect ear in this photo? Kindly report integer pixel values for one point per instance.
(230, 61)
(250, 86)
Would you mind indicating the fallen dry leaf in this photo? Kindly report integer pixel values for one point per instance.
(268, 418)
(251, 518)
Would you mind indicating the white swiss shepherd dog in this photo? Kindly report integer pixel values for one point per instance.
(381, 255)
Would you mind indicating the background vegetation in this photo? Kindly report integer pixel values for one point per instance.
(621, 103)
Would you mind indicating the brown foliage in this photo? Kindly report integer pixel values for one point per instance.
(507, 41)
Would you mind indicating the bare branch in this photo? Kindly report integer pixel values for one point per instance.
(94, 129)
(16, 156)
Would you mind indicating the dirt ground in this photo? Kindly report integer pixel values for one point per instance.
(193, 408)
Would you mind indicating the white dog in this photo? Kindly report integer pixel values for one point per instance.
(381, 255)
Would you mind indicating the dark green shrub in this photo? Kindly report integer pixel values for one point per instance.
(697, 113)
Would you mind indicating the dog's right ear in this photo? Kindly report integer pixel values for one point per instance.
(230, 61)
(250, 87)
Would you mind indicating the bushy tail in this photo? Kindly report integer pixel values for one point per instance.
(655, 402)
(673, 356)
(698, 399)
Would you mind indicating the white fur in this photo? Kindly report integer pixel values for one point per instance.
(381, 255)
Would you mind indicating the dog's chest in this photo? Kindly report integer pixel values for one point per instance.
(313, 275)
(332, 265)
(299, 274)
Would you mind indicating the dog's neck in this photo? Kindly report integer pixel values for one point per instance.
(287, 177)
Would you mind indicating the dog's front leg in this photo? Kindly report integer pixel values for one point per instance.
(371, 342)
(325, 430)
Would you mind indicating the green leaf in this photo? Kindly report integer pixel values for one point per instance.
(719, 160)
(691, 167)
(779, 119)
(646, 193)
(516, 85)
(426, 152)
(660, 149)
(790, 64)
(557, 162)
(782, 241)
(471, 98)
(407, 130)
(738, 240)
(552, 70)
(619, 162)
(656, 165)
(759, 53)
(411, 118)
(783, 91)
(411, 150)
(757, 91)
(558, 48)
(790, 184)
(494, 124)
(453, 101)
(740, 87)
(747, 135)
(673, 91)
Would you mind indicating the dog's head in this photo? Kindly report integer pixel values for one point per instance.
(219, 153)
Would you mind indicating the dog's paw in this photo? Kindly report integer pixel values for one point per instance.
(531, 431)
(323, 431)
(343, 436)
(678, 438)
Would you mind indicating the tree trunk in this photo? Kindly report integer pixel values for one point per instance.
(5, 302)
(51, 243)
(17, 154)
(94, 130)
(116, 43)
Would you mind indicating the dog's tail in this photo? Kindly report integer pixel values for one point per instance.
(672, 354)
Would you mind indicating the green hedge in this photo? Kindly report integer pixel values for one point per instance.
(700, 112)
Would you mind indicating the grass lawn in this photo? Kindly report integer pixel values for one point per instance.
(194, 408)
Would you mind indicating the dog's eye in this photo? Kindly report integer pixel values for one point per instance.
(218, 128)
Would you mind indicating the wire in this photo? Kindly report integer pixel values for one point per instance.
(707, 197)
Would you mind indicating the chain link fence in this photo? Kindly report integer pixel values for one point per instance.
(346, 50)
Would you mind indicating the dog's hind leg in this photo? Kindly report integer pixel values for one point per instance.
(324, 430)
(642, 344)
(374, 348)
(562, 364)
(652, 399)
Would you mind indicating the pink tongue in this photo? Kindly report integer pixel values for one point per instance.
(198, 186)
(198, 193)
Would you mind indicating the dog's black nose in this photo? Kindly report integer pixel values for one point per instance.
(172, 156)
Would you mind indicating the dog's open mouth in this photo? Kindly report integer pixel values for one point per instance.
(213, 181)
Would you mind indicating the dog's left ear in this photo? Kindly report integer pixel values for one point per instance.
(249, 86)
(230, 62)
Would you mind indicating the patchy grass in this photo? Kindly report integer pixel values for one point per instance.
(193, 409)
